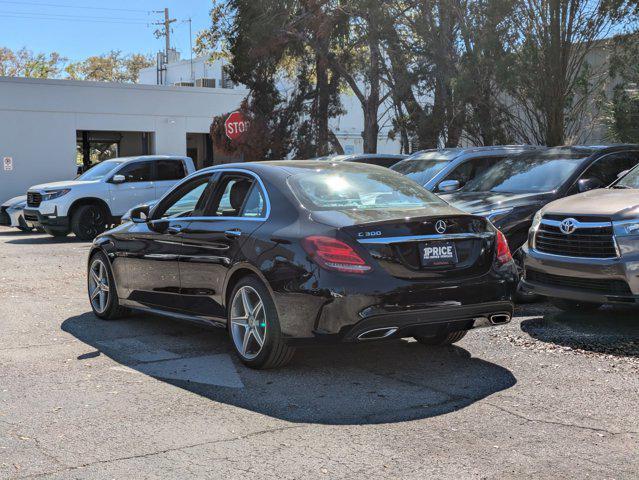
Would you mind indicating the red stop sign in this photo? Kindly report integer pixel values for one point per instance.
(235, 125)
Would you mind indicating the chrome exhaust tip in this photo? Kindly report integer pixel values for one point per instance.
(499, 318)
(377, 333)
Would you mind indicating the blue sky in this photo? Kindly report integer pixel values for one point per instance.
(79, 28)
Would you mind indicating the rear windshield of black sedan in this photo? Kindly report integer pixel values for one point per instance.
(360, 190)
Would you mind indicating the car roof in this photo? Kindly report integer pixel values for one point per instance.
(456, 152)
(294, 167)
(359, 156)
(149, 157)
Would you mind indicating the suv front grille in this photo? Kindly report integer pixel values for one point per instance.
(604, 286)
(587, 242)
(34, 199)
(4, 216)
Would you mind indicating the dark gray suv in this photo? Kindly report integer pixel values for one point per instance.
(583, 250)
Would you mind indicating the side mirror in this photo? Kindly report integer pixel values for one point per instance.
(118, 179)
(140, 214)
(586, 184)
(448, 186)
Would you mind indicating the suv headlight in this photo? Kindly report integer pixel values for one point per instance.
(52, 194)
(626, 227)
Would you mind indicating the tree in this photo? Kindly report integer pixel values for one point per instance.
(552, 85)
(24, 63)
(109, 67)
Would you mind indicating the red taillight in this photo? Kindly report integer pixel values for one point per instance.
(503, 252)
(333, 254)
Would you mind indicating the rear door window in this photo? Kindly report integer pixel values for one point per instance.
(170, 170)
(607, 168)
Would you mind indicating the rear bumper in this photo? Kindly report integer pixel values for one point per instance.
(343, 311)
(34, 219)
(572, 277)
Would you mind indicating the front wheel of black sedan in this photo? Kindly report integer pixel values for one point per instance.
(101, 288)
(254, 326)
(443, 339)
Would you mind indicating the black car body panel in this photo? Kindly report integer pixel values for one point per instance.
(188, 265)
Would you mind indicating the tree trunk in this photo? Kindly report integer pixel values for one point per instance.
(323, 100)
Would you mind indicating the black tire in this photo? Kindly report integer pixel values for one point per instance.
(113, 310)
(574, 306)
(274, 352)
(443, 339)
(89, 221)
(56, 233)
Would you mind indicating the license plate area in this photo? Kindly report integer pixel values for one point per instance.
(437, 253)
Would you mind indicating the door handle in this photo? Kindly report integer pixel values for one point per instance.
(174, 229)
(235, 232)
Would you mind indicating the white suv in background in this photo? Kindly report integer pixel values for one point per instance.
(101, 195)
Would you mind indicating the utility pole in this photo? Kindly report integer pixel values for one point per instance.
(166, 32)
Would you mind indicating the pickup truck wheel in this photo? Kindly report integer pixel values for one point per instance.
(88, 221)
(443, 339)
(56, 233)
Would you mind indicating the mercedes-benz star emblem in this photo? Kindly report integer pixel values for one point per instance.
(568, 225)
(440, 226)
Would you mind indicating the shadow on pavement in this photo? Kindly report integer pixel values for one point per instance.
(613, 331)
(393, 381)
(44, 240)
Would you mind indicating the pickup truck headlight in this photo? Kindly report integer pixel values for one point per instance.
(494, 215)
(52, 194)
(626, 228)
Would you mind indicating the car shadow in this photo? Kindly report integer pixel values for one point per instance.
(44, 239)
(393, 381)
(610, 330)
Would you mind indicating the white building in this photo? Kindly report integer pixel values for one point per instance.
(200, 72)
(45, 123)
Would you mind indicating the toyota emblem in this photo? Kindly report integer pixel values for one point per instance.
(568, 225)
(440, 226)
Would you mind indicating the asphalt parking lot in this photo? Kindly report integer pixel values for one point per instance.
(551, 395)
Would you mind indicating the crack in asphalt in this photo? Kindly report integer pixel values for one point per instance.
(561, 424)
(160, 452)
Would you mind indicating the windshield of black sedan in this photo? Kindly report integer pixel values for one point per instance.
(525, 175)
(420, 170)
(372, 190)
(631, 180)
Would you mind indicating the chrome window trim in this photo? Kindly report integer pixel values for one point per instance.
(415, 238)
(578, 224)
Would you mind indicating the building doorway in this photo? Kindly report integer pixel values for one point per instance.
(199, 148)
(94, 146)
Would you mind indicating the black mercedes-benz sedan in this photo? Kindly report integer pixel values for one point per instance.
(288, 253)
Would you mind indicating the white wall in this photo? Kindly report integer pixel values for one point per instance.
(39, 120)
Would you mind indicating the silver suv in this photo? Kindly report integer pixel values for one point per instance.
(583, 250)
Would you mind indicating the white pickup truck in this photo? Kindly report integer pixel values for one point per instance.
(101, 195)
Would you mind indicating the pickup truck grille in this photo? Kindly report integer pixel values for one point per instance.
(604, 286)
(34, 199)
(588, 240)
(4, 216)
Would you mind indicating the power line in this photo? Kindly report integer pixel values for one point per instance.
(89, 20)
(83, 7)
(64, 15)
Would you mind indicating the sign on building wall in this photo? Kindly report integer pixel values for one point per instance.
(8, 164)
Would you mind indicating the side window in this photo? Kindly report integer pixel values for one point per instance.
(136, 172)
(188, 200)
(169, 170)
(255, 206)
(462, 173)
(609, 167)
(238, 196)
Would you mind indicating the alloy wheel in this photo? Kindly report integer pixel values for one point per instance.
(92, 223)
(99, 287)
(248, 322)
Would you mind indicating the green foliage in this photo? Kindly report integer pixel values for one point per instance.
(109, 67)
